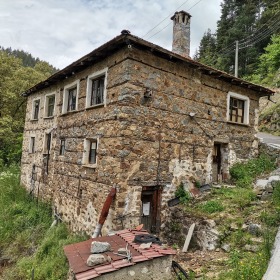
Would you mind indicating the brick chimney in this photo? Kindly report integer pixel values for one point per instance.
(181, 33)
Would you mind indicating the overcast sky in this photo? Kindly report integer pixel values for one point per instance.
(62, 31)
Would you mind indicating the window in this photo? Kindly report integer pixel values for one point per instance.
(49, 105)
(238, 108)
(96, 89)
(62, 147)
(47, 145)
(70, 98)
(36, 109)
(32, 145)
(90, 152)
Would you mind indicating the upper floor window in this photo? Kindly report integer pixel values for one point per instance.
(49, 105)
(36, 109)
(96, 89)
(70, 97)
(238, 108)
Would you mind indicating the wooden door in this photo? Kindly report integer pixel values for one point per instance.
(150, 217)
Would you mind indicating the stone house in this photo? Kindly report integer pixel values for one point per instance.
(134, 115)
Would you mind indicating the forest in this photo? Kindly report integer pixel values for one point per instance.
(255, 24)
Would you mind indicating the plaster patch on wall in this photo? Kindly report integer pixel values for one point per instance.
(180, 170)
(208, 175)
(231, 157)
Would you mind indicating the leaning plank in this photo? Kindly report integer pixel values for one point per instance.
(188, 239)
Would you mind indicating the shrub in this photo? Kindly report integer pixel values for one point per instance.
(182, 194)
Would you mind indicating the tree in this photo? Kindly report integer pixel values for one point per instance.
(206, 53)
(15, 79)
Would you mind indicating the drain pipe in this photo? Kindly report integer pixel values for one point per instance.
(104, 212)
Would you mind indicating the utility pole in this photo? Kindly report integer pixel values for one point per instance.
(236, 60)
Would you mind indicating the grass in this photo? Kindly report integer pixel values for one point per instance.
(243, 174)
(233, 207)
(27, 242)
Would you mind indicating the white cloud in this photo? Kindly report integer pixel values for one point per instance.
(61, 31)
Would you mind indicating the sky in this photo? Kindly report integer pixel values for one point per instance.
(62, 31)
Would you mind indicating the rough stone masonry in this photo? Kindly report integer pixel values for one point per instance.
(163, 121)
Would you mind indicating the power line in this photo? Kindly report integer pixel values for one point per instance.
(167, 18)
(164, 19)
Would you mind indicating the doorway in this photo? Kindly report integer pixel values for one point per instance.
(217, 163)
(150, 216)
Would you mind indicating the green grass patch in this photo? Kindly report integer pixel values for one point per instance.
(211, 206)
(26, 240)
(243, 174)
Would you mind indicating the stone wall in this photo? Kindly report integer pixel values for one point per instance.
(143, 141)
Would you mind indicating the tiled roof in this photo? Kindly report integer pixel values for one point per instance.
(78, 254)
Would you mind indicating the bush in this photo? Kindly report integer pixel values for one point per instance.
(182, 194)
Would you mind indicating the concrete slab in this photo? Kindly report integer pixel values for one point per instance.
(273, 270)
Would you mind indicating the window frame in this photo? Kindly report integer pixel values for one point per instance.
(66, 90)
(90, 79)
(33, 117)
(87, 152)
(47, 98)
(246, 107)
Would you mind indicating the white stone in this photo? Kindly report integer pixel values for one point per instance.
(99, 247)
(95, 259)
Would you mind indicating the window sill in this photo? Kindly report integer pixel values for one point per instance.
(34, 120)
(242, 124)
(69, 113)
(51, 117)
(95, 106)
(93, 166)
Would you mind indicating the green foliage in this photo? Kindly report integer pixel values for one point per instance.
(183, 194)
(243, 21)
(276, 194)
(243, 174)
(267, 72)
(26, 239)
(211, 206)
(15, 79)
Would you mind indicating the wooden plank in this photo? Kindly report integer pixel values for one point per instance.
(188, 239)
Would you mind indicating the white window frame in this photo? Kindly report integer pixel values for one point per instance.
(31, 151)
(92, 77)
(46, 105)
(246, 100)
(66, 94)
(87, 143)
(33, 109)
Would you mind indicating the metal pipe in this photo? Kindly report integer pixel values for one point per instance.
(104, 213)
